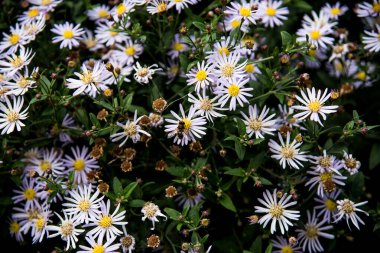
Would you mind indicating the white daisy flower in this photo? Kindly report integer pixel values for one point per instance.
(348, 210)
(106, 34)
(48, 163)
(144, 73)
(185, 128)
(11, 115)
(40, 223)
(15, 62)
(33, 28)
(67, 229)
(32, 14)
(19, 84)
(201, 76)
(233, 91)
(286, 117)
(326, 182)
(125, 70)
(258, 123)
(131, 129)
(275, 211)
(151, 211)
(309, 236)
(98, 246)
(232, 22)
(317, 33)
(188, 198)
(227, 67)
(282, 245)
(339, 51)
(327, 205)
(181, 4)
(123, 9)
(313, 105)
(90, 82)
(82, 164)
(82, 204)
(46, 5)
(242, 11)
(27, 193)
(105, 222)
(205, 106)
(326, 163)
(334, 11)
(128, 52)
(99, 13)
(127, 242)
(350, 163)
(177, 47)
(25, 217)
(271, 14)
(287, 153)
(372, 40)
(224, 46)
(68, 34)
(365, 9)
(15, 231)
(17, 38)
(90, 42)
(157, 6)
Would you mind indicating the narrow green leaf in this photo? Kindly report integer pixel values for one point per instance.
(172, 213)
(136, 203)
(117, 186)
(240, 150)
(129, 189)
(226, 201)
(235, 172)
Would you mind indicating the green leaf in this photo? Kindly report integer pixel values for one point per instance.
(105, 105)
(199, 25)
(265, 181)
(94, 120)
(302, 6)
(176, 171)
(172, 213)
(376, 227)
(117, 186)
(241, 126)
(374, 157)
(240, 150)
(355, 115)
(129, 189)
(286, 39)
(235, 172)
(136, 203)
(81, 115)
(269, 248)
(256, 246)
(226, 201)
(127, 101)
(104, 131)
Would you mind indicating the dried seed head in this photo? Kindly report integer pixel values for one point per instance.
(126, 166)
(161, 165)
(153, 241)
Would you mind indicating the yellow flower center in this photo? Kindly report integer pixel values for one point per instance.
(206, 104)
(234, 90)
(40, 223)
(23, 82)
(314, 106)
(161, 7)
(271, 11)
(361, 75)
(255, 124)
(68, 34)
(201, 75)
(335, 11)
(130, 129)
(12, 116)
(245, 12)
(287, 152)
(235, 23)
(350, 163)
(330, 205)
(143, 72)
(347, 207)
(311, 231)
(249, 68)
(84, 205)
(126, 241)
(187, 123)
(325, 176)
(45, 2)
(276, 211)
(45, 166)
(325, 161)
(130, 51)
(178, 1)
(87, 78)
(227, 70)
(98, 249)
(286, 249)
(14, 39)
(224, 50)
(315, 35)
(150, 210)
(79, 164)
(16, 62)
(105, 221)
(2, 78)
(120, 9)
(376, 7)
(29, 194)
(14, 227)
(90, 43)
(33, 12)
(178, 46)
(113, 33)
(102, 13)
(67, 229)
(312, 52)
